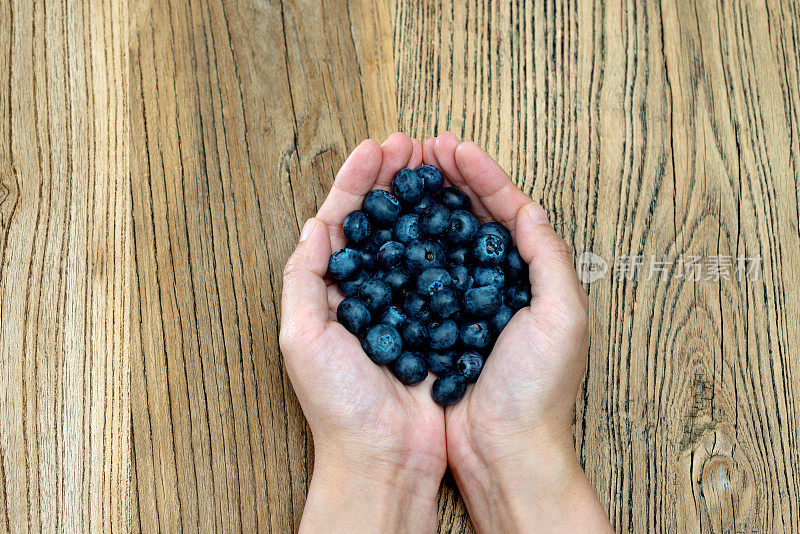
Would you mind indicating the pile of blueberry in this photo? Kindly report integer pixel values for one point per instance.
(427, 286)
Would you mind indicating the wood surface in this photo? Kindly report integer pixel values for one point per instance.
(158, 158)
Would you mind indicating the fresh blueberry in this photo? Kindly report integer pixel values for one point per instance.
(432, 280)
(475, 334)
(499, 320)
(398, 279)
(350, 288)
(458, 256)
(376, 294)
(489, 249)
(443, 335)
(393, 317)
(431, 176)
(410, 368)
(415, 334)
(424, 205)
(382, 206)
(379, 237)
(416, 306)
(407, 228)
(482, 301)
(356, 226)
(489, 276)
(516, 267)
(453, 198)
(423, 254)
(368, 259)
(444, 303)
(407, 186)
(390, 254)
(518, 296)
(434, 222)
(463, 227)
(495, 228)
(449, 389)
(441, 363)
(469, 365)
(462, 280)
(353, 315)
(382, 343)
(344, 263)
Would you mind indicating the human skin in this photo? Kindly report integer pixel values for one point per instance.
(381, 448)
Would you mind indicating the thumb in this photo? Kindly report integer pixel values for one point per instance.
(551, 269)
(304, 301)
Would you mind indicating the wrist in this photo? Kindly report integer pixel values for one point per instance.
(355, 493)
(537, 486)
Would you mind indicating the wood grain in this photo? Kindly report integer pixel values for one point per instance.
(65, 236)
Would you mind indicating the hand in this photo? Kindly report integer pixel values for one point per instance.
(379, 445)
(509, 441)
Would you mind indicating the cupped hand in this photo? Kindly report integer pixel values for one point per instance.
(509, 440)
(375, 439)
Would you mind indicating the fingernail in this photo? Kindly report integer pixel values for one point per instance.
(308, 227)
(536, 213)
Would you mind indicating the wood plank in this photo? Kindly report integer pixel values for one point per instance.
(65, 236)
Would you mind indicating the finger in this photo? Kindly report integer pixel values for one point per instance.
(446, 145)
(487, 179)
(429, 157)
(397, 151)
(304, 301)
(355, 179)
(552, 272)
(416, 155)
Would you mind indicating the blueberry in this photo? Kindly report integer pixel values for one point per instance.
(382, 206)
(489, 249)
(344, 263)
(436, 221)
(398, 279)
(500, 319)
(415, 334)
(458, 256)
(424, 205)
(449, 389)
(350, 287)
(516, 267)
(432, 280)
(379, 237)
(462, 280)
(376, 294)
(390, 254)
(444, 303)
(368, 260)
(489, 276)
(495, 228)
(410, 368)
(422, 254)
(356, 226)
(431, 176)
(416, 306)
(393, 317)
(517, 297)
(482, 301)
(463, 227)
(443, 335)
(382, 343)
(407, 228)
(453, 198)
(407, 186)
(441, 363)
(469, 365)
(353, 315)
(474, 334)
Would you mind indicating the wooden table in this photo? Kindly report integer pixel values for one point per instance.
(157, 159)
